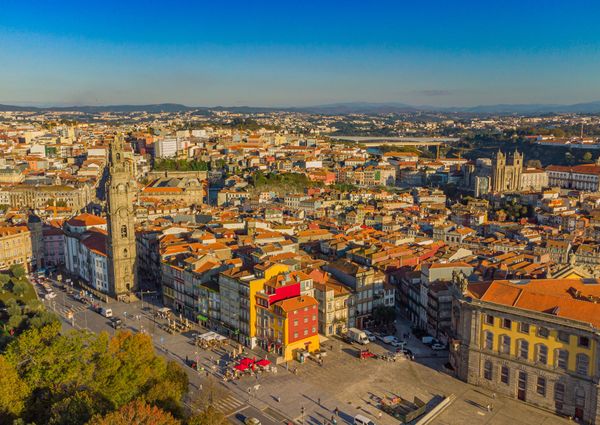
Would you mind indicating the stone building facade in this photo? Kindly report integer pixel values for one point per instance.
(534, 340)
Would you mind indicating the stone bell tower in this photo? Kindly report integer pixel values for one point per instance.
(121, 249)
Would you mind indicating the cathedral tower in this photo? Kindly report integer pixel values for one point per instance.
(120, 189)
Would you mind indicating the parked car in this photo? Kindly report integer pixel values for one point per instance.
(50, 295)
(438, 346)
(397, 343)
(389, 339)
(106, 312)
(370, 335)
(251, 421)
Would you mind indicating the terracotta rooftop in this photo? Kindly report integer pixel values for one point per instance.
(575, 299)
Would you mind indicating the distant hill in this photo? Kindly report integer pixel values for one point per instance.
(330, 109)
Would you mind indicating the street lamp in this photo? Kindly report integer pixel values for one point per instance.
(302, 411)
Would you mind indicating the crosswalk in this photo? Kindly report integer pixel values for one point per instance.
(229, 405)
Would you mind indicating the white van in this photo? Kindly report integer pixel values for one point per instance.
(106, 312)
(362, 420)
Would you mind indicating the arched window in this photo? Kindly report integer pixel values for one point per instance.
(123, 231)
(561, 358)
(504, 344)
(125, 253)
(582, 362)
(541, 354)
(118, 157)
(523, 349)
(487, 370)
(489, 340)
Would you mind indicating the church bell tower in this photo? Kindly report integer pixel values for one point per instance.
(121, 249)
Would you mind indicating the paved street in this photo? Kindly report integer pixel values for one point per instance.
(343, 381)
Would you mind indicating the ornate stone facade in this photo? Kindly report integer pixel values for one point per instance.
(506, 172)
(121, 190)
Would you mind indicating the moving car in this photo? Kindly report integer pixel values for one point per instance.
(116, 323)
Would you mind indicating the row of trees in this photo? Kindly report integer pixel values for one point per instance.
(180, 165)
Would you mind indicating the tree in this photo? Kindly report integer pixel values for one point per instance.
(19, 288)
(13, 390)
(534, 163)
(17, 271)
(209, 416)
(136, 413)
(384, 314)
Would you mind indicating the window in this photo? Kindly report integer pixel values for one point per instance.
(541, 386)
(489, 319)
(582, 363)
(563, 336)
(487, 370)
(584, 341)
(124, 231)
(506, 323)
(524, 328)
(562, 358)
(305, 332)
(523, 349)
(295, 334)
(580, 397)
(559, 391)
(505, 344)
(504, 375)
(542, 332)
(542, 353)
(489, 341)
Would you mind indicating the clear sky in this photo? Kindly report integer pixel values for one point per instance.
(302, 52)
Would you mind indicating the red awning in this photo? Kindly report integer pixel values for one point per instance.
(241, 367)
(247, 361)
(263, 362)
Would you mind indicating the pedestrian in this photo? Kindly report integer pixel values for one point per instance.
(319, 401)
(488, 408)
(493, 395)
(379, 415)
(336, 411)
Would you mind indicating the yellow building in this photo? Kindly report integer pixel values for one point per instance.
(238, 288)
(15, 246)
(535, 340)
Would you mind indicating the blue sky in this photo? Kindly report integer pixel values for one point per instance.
(299, 53)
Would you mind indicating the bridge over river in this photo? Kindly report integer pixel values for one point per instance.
(374, 141)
